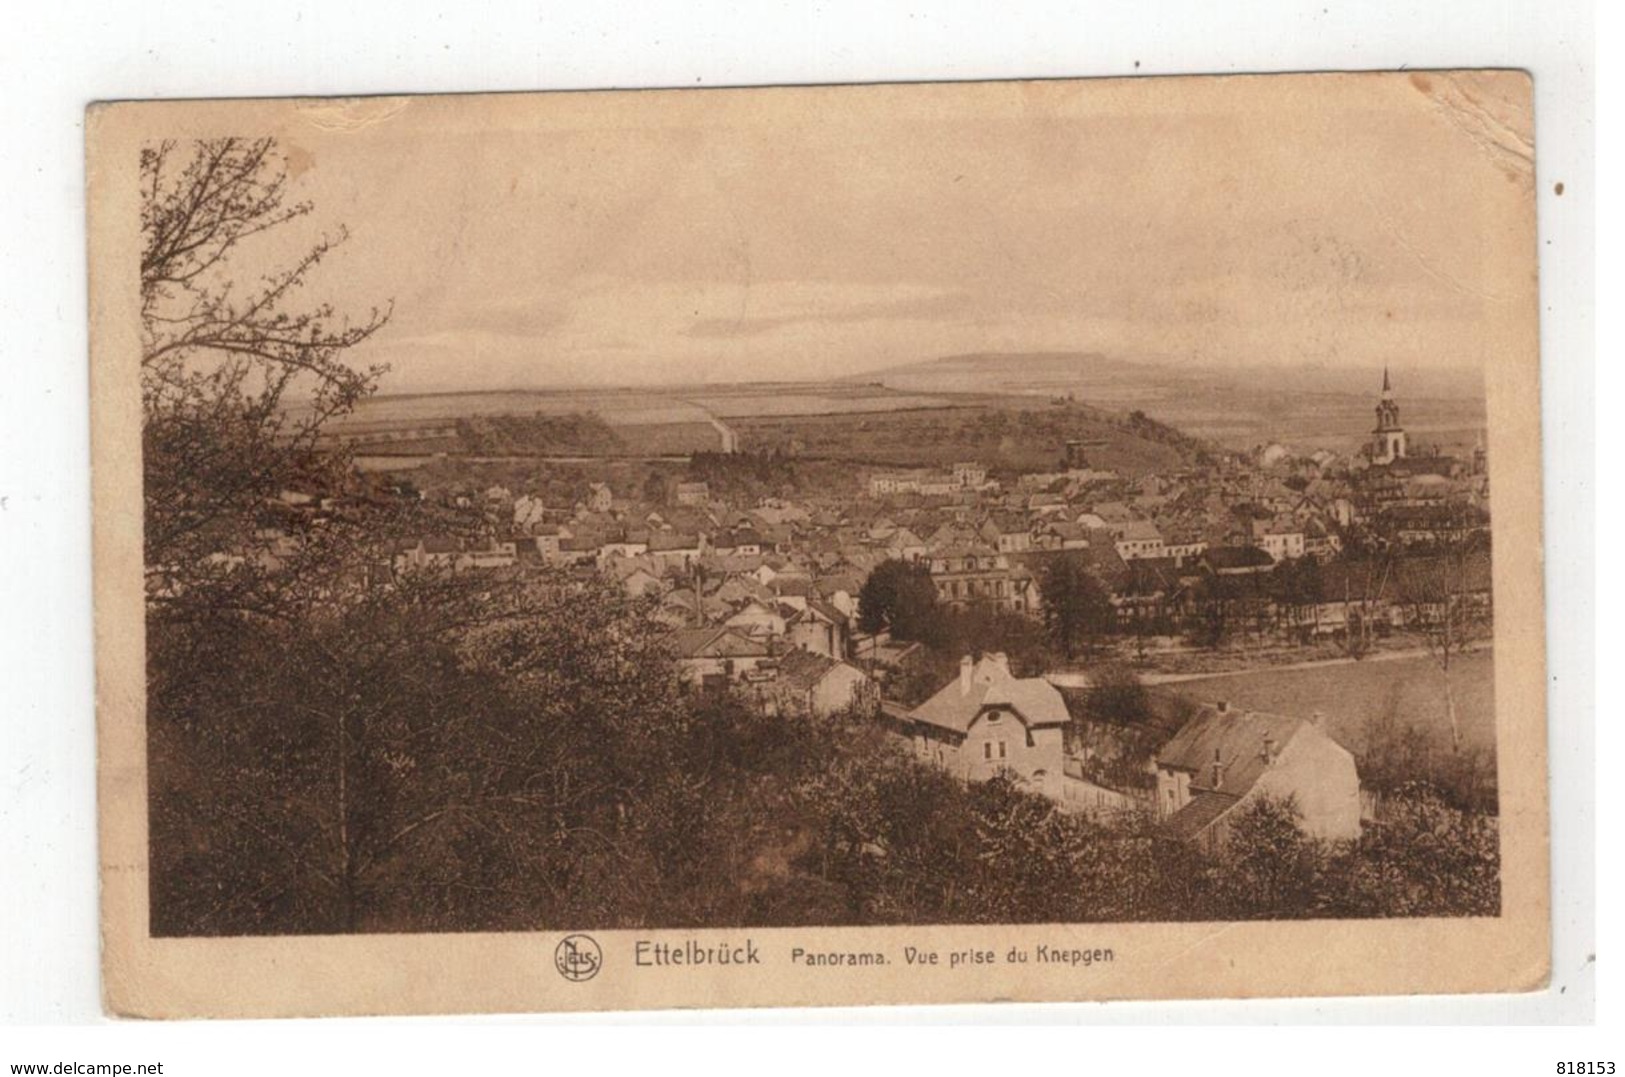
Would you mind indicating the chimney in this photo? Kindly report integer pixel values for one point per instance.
(1223, 705)
(1269, 747)
(1000, 661)
(966, 665)
(1317, 719)
(1218, 770)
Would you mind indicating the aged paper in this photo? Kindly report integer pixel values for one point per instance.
(846, 545)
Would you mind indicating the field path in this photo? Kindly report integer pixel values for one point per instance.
(730, 439)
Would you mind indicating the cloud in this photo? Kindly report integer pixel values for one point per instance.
(927, 307)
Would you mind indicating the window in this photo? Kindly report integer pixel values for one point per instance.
(987, 749)
(1001, 749)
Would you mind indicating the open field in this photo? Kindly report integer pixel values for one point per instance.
(1001, 432)
(633, 407)
(816, 398)
(1303, 407)
(861, 423)
(621, 407)
(1350, 696)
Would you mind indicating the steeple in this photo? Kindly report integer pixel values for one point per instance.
(1388, 439)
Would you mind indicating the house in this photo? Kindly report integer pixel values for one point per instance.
(712, 658)
(987, 722)
(1111, 513)
(599, 497)
(623, 544)
(1008, 532)
(888, 483)
(1046, 503)
(440, 551)
(638, 581)
(819, 627)
(580, 548)
(547, 538)
(529, 513)
(1137, 538)
(817, 685)
(842, 599)
(792, 587)
(971, 475)
(969, 575)
(489, 553)
(1184, 546)
(759, 619)
(904, 545)
(673, 549)
(1098, 557)
(1279, 539)
(685, 606)
(1062, 535)
(881, 652)
(739, 542)
(1152, 590)
(1226, 757)
(1321, 543)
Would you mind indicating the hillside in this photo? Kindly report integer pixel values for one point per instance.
(1307, 405)
(1005, 433)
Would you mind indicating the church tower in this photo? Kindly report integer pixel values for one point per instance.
(1388, 439)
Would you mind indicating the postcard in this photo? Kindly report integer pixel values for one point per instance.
(839, 545)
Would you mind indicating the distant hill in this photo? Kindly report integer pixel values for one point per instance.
(1015, 372)
(1306, 406)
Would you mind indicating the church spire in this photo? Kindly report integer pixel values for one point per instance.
(1388, 439)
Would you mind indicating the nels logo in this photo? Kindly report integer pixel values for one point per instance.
(578, 958)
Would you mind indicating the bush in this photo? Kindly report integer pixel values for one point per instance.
(1116, 695)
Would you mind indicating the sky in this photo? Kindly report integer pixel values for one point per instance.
(650, 238)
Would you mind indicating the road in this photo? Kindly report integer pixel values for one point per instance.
(730, 439)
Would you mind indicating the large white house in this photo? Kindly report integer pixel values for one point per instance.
(987, 721)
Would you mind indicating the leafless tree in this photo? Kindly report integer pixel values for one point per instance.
(238, 378)
(1441, 596)
(1365, 586)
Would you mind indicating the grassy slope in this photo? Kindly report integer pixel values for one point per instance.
(1351, 696)
(1002, 432)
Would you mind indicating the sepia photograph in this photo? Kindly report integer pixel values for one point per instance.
(803, 528)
